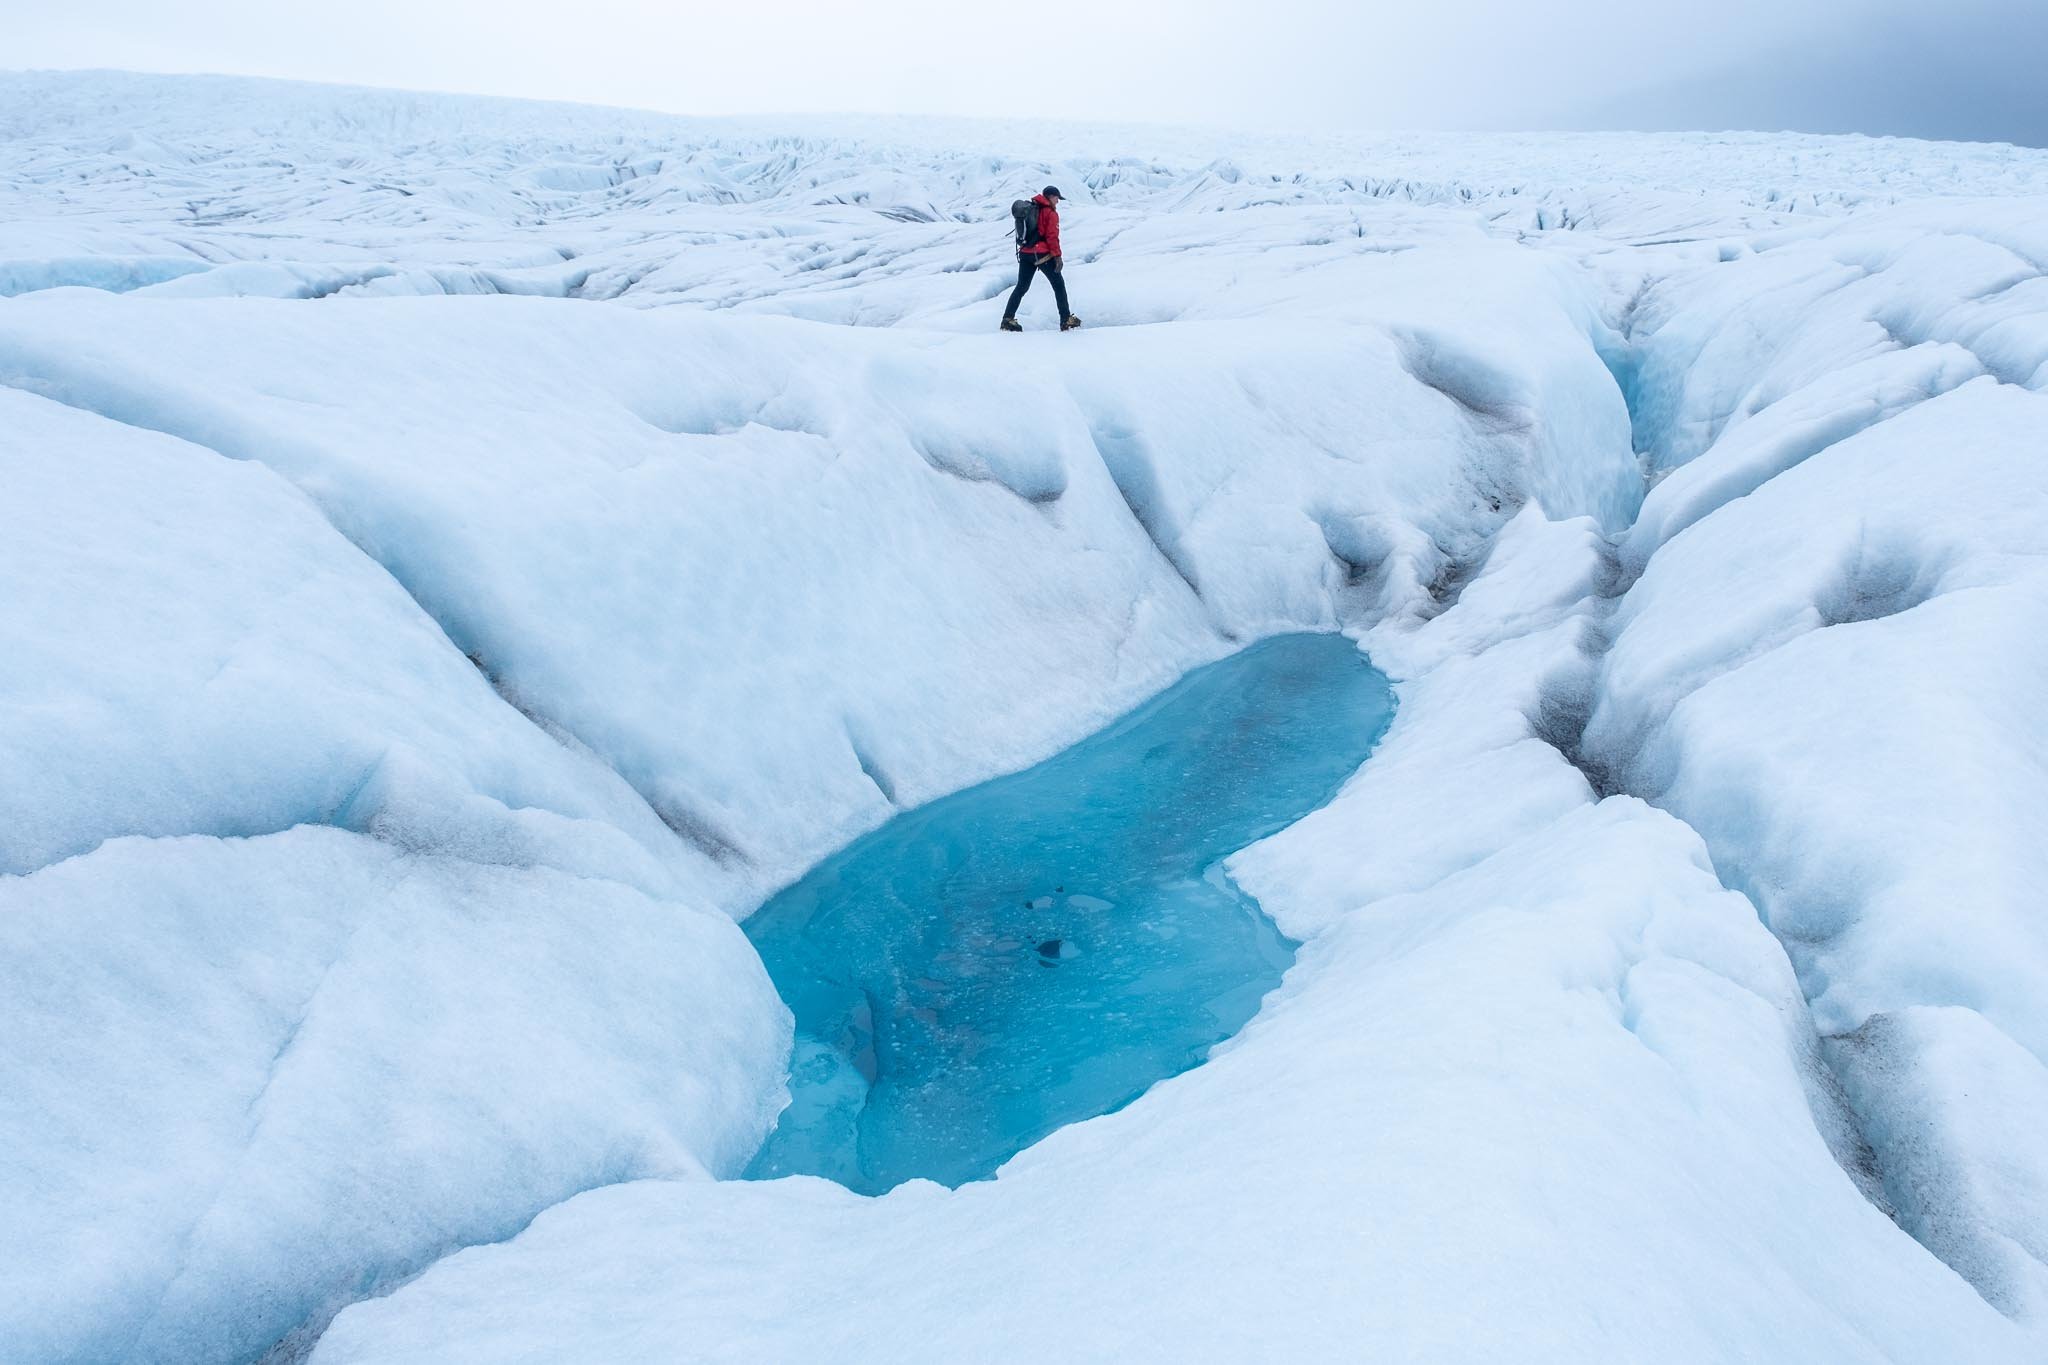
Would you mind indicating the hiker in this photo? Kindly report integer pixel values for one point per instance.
(1038, 250)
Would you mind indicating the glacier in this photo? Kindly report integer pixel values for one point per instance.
(463, 556)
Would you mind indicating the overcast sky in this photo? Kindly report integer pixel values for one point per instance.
(1937, 68)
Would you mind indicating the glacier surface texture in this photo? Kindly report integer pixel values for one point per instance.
(462, 558)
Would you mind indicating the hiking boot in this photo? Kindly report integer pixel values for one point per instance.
(1012, 325)
(1069, 323)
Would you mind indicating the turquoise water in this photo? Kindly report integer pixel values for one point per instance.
(1042, 948)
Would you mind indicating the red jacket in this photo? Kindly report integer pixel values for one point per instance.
(1048, 228)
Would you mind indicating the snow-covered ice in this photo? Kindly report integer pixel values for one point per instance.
(461, 555)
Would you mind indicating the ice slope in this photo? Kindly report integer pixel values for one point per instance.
(410, 689)
(1831, 666)
(196, 627)
(251, 1079)
(271, 835)
(971, 557)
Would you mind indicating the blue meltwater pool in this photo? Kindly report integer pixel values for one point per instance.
(1041, 948)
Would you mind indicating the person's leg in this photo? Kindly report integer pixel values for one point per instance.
(1059, 289)
(1025, 265)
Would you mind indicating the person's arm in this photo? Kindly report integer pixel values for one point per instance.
(1049, 229)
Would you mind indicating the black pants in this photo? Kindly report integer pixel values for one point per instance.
(1027, 266)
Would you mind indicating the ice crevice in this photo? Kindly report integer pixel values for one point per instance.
(1124, 454)
(1913, 1145)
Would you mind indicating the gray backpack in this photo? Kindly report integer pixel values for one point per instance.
(1024, 219)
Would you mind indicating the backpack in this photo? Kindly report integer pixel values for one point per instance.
(1024, 219)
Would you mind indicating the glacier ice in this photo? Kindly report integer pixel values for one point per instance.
(463, 555)
(193, 1161)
